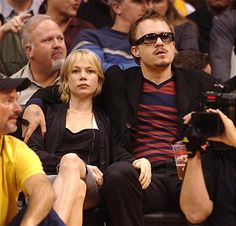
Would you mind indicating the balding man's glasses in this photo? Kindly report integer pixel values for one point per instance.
(151, 38)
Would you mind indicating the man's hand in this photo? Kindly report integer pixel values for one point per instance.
(145, 176)
(229, 135)
(16, 24)
(98, 175)
(34, 115)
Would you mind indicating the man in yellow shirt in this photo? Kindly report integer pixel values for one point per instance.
(20, 167)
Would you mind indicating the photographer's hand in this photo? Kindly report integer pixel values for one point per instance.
(187, 117)
(229, 135)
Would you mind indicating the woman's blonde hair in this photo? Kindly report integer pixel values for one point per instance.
(68, 66)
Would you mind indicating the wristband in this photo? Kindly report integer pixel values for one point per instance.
(192, 150)
(194, 144)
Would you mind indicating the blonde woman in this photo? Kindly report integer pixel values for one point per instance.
(77, 131)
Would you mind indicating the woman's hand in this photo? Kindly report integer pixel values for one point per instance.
(98, 175)
(145, 176)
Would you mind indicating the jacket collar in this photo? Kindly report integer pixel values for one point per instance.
(134, 85)
(183, 88)
(183, 92)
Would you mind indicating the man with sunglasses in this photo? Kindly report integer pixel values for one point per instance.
(146, 104)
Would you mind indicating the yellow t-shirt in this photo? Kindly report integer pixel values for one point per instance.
(17, 163)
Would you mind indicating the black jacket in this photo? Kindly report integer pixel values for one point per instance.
(120, 98)
(55, 115)
(122, 91)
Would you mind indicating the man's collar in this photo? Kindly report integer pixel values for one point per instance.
(8, 12)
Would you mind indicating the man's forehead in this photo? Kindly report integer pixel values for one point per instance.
(7, 92)
(46, 25)
(47, 33)
(156, 26)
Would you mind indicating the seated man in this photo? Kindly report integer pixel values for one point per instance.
(44, 46)
(208, 189)
(146, 105)
(111, 43)
(21, 170)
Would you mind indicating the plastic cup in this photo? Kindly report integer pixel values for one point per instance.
(181, 157)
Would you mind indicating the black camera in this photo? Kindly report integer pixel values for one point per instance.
(207, 124)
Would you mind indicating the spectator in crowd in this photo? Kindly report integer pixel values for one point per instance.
(12, 8)
(96, 12)
(64, 12)
(44, 46)
(12, 56)
(186, 34)
(222, 46)
(21, 170)
(77, 126)
(15, 13)
(207, 177)
(193, 60)
(204, 16)
(146, 105)
(111, 43)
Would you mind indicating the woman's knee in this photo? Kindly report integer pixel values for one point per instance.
(72, 163)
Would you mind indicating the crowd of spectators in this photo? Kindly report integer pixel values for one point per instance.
(95, 93)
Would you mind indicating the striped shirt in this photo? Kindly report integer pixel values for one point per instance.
(156, 123)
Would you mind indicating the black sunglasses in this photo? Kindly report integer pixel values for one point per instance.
(151, 38)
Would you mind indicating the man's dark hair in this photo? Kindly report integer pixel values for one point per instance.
(149, 14)
(191, 59)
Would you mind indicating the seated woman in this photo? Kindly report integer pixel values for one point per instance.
(75, 128)
(186, 33)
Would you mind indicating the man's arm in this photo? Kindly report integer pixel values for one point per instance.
(14, 25)
(41, 199)
(33, 111)
(194, 198)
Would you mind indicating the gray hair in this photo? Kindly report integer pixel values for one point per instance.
(30, 25)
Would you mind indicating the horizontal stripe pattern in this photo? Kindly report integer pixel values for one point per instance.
(156, 123)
